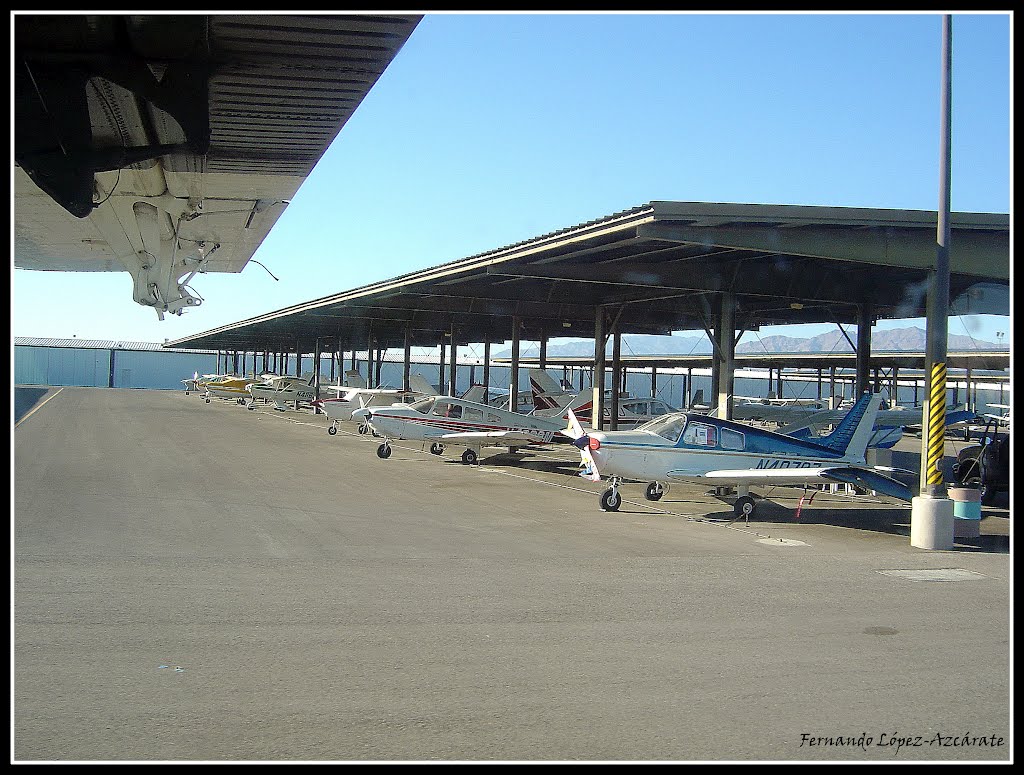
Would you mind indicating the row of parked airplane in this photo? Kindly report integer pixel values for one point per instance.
(657, 443)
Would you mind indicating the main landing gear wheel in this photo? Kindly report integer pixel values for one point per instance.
(364, 428)
(744, 507)
(436, 448)
(207, 400)
(611, 500)
(384, 451)
(654, 491)
(332, 429)
(469, 457)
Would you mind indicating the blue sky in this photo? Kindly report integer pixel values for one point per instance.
(489, 129)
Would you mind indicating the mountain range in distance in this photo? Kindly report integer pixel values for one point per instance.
(910, 339)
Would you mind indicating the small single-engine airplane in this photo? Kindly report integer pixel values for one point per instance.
(444, 420)
(355, 395)
(552, 400)
(708, 450)
(229, 386)
(282, 389)
(198, 382)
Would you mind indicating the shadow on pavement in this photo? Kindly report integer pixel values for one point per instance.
(25, 398)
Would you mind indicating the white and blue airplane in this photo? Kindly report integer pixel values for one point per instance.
(689, 447)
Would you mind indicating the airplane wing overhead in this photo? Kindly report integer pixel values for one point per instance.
(170, 145)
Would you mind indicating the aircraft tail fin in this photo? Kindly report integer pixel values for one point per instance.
(547, 394)
(475, 394)
(853, 433)
(420, 385)
(354, 379)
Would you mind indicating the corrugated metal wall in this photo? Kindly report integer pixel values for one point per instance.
(69, 366)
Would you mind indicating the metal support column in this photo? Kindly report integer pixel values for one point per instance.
(725, 334)
(513, 384)
(407, 357)
(453, 364)
(440, 368)
(597, 382)
(931, 513)
(863, 381)
(316, 374)
(487, 364)
(613, 423)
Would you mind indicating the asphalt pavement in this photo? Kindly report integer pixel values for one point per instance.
(201, 582)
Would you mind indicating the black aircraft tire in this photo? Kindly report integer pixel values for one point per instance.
(469, 457)
(744, 506)
(611, 500)
(332, 430)
(653, 492)
(383, 451)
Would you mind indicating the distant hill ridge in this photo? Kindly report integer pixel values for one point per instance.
(911, 339)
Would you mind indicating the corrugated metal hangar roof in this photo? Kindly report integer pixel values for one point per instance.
(95, 344)
(658, 268)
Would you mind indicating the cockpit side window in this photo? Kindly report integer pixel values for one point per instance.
(701, 435)
(732, 439)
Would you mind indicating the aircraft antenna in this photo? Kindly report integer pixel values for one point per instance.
(268, 271)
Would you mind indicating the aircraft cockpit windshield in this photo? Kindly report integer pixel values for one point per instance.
(669, 426)
(423, 405)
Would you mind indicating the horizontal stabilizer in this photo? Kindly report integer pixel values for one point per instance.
(870, 480)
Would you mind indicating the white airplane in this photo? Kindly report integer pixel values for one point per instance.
(889, 423)
(282, 389)
(444, 420)
(1002, 419)
(553, 400)
(707, 450)
(355, 395)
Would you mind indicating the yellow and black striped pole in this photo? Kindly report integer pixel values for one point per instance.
(936, 432)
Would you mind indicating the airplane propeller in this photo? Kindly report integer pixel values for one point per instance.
(583, 442)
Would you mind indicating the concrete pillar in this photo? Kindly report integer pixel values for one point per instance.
(931, 522)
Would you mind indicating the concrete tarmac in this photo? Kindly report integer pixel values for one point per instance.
(200, 582)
